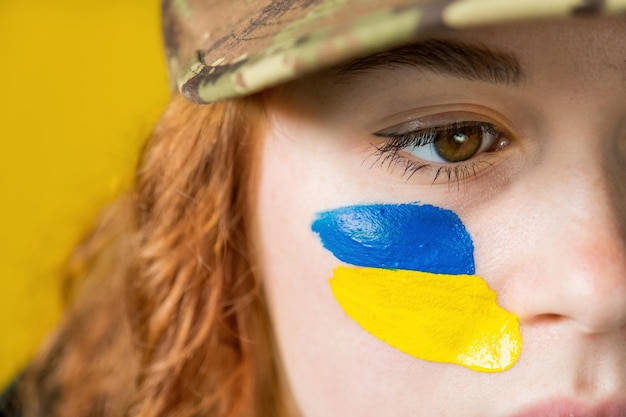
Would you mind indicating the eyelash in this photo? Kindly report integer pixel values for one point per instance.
(389, 152)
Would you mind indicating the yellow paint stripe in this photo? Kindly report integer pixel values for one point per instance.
(434, 317)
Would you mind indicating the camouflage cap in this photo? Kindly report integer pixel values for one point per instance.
(219, 49)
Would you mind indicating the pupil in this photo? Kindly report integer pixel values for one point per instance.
(460, 144)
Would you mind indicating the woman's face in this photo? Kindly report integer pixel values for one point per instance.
(518, 134)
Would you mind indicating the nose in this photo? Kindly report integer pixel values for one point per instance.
(571, 260)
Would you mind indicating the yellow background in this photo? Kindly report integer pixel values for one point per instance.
(81, 84)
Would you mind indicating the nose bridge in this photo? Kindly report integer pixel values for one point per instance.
(579, 249)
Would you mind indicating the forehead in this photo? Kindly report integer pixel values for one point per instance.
(581, 54)
(601, 39)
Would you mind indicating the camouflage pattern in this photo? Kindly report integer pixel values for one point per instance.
(219, 49)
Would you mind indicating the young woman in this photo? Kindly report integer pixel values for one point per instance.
(392, 208)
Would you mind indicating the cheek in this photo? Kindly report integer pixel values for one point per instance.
(324, 353)
(289, 253)
(413, 284)
(295, 270)
(291, 259)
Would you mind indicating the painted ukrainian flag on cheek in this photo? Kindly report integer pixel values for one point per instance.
(413, 284)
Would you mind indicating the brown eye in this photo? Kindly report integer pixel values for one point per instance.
(456, 142)
(459, 144)
(451, 143)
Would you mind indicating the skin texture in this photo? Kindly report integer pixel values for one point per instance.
(547, 215)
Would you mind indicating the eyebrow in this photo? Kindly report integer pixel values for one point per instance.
(472, 62)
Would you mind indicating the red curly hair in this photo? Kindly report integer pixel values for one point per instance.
(168, 317)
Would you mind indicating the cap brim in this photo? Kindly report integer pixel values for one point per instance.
(275, 44)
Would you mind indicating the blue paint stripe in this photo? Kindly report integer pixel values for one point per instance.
(398, 236)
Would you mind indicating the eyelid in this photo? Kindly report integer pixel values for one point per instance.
(442, 115)
(403, 128)
(438, 121)
(396, 132)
